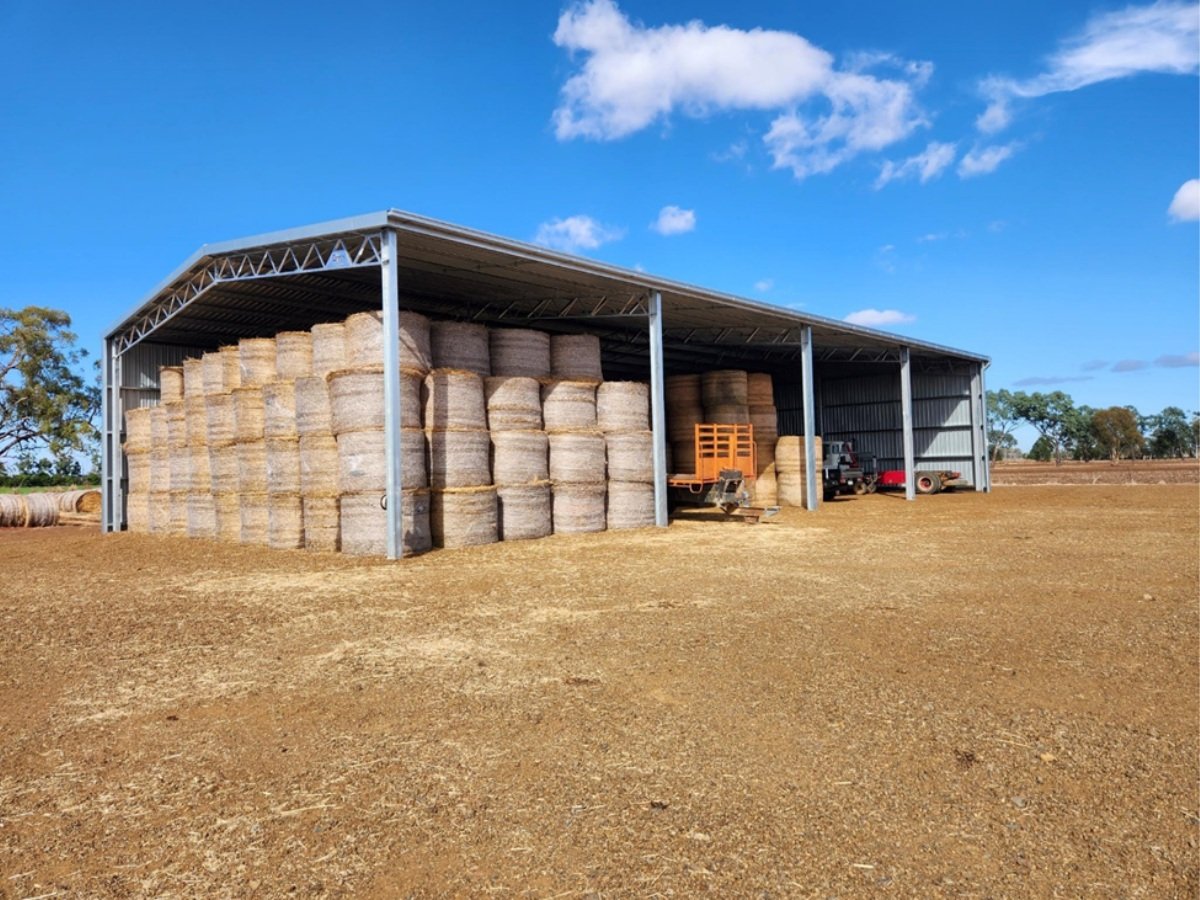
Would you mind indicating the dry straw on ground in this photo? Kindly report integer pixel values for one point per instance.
(514, 403)
(256, 361)
(453, 398)
(520, 351)
(623, 406)
(293, 355)
(460, 345)
(523, 511)
(520, 457)
(630, 505)
(569, 405)
(463, 517)
(577, 457)
(578, 508)
(459, 459)
(576, 357)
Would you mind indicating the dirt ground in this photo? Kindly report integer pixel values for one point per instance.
(965, 696)
(1139, 471)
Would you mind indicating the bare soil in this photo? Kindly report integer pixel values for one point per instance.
(1138, 471)
(969, 695)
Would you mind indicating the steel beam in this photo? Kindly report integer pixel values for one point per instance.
(106, 487)
(987, 469)
(810, 420)
(658, 412)
(390, 277)
(910, 466)
(978, 430)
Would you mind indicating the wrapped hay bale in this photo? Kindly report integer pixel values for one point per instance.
(576, 357)
(137, 465)
(252, 467)
(364, 523)
(176, 416)
(137, 512)
(765, 420)
(328, 348)
(179, 468)
(459, 459)
(177, 513)
(160, 512)
(223, 467)
(279, 408)
(41, 510)
(578, 508)
(193, 378)
(460, 345)
(137, 430)
(577, 457)
(519, 352)
(630, 505)
(630, 456)
(724, 387)
(231, 364)
(569, 405)
(293, 355)
(523, 511)
(454, 399)
(285, 522)
(364, 340)
(356, 399)
(212, 373)
(283, 465)
(249, 414)
(170, 384)
(228, 514)
(256, 361)
(219, 419)
(362, 460)
(760, 389)
(319, 465)
(683, 457)
(514, 403)
(12, 511)
(463, 517)
(199, 469)
(313, 414)
(201, 515)
(195, 416)
(322, 524)
(520, 457)
(623, 406)
(255, 518)
(727, 414)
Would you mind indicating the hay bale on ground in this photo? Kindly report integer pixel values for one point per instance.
(177, 513)
(231, 365)
(228, 513)
(322, 524)
(256, 361)
(255, 518)
(623, 406)
(86, 500)
(578, 508)
(765, 491)
(13, 511)
(328, 348)
(137, 429)
(212, 373)
(576, 357)
(160, 512)
(724, 387)
(569, 405)
(170, 384)
(201, 515)
(630, 456)
(219, 420)
(463, 517)
(460, 345)
(293, 355)
(356, 399)
(459, 459)
(283, 465)
(137, 512)
(454, 399)
(514, 403)
(285, 522)
(520, 352)
(318, 465)
(362, 460)
(252, 467)
(193, 378)
(249, 414)
(279, 408)
(520, 457)
(364, 523)
(577, 457)
(523, 511)
(313, 413)
(760, 389)
(630, 505)
(791, 469)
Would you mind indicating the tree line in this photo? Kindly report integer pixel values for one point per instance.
(1083, 433)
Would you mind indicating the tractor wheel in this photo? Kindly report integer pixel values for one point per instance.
(928, 483)
(860, 487)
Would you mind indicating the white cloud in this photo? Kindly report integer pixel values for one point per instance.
(1161, 37)
(764, 284)
(1129, 365)
(576, 233)
(985, 160)
(875, 318)
(636, 75)
(1185, 207)
(932, 237)
(925, 165)
(673, 220)
(1178, 361)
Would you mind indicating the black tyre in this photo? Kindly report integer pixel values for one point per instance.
(928, 483)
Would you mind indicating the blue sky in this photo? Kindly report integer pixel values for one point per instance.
(997, 177)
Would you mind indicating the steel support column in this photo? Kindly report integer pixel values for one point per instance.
(910, 482)
(106, 430)
(390, 276)
(811, 485)
(978, 430)
(987, 469)
(658, 412)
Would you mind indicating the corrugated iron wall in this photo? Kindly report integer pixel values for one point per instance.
(139, 372)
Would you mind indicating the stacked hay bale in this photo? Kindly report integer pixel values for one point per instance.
(222, 375)
(137, 459)
(520, 447)
(201, 514)
(317, 445)
(461, 345)
(791, 467)
(179, 462)
(576, 357)
(577, 455)
(623, 417)
(256, 368)
(685, 409)
(159, 518)
(463, 510)
(285, 511)
(764, 417)
(725, 394)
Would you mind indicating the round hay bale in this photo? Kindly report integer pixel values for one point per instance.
(364, 523)
(177, 513)
(362, 460)
(576, 357)
(765, 420)
(66, 500)
(682, 390)
(223, 466)
(199, 469)
(86, 501)
(252, 467)
(231, 365)
(201, 515)
(319, 465)
(415, 350)
(630, 505)
(328, 348)
(13, 511)
(285, 522)
(249, 414)
(356, 399)
(137, 429)
(454, 399)
(519, 351)
(137, 512)
(313, 415)
(520, 457)
(195, 415)
(578, 508)
(577, 458)
(212, 373)
(193, 378)
(724, 387)
(219, 419)
(514, 403)
(137, 467)
(256, 361)
(790, 454)
(279, 408)
(765, 490)
(727, 414)
(789, 488)
(176, 414)
(364, 340)
(760, 389)
(160, 470)
(293, 354)
(460, 345)
(322, 524)
(283, 465)
(630, 456)
(764, 454)
(523, 511)
(569, 405)
(179, 471)
(160, 512)
(459, 459)
(41, 509)
(683, 457)
(158, 427)
(623, 406)
(255, 518)
(228, 514)
(170, 384)
(682, 421)
(463, 517)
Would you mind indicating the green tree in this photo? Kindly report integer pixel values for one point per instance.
(1002, 422)
(1116, 431)
(46, 406)
(1053, 415)
(1173, 435)
(1041, 451)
